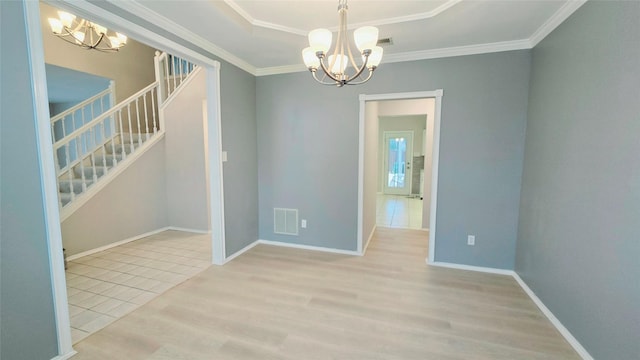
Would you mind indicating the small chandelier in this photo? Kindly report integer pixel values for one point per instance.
(335, 69)
(85, 34)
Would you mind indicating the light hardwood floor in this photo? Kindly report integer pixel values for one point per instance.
(281, 303)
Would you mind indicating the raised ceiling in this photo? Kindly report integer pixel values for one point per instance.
(267, 36)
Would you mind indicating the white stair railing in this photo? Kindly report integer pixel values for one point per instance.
(71, 119)
(171, 71)
(86, 150)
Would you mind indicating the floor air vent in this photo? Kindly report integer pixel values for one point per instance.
(285, 221)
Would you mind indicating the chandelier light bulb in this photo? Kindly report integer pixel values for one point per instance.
(375, 57)
(338, 64)
(311, 61)
(115, 42)
(56, 25)
(79, 36)
(122, 38)
(320, 39)
(66, 18)
(366, 37)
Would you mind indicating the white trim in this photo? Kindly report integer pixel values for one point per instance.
(195, 231)
(361, 133)
(241, 251)
(133, 238)
(378, 22)
(65, 356)
(48, 184)
(435, 165)
(182, 32)
(309, 247)
(555, 20)
(458, 51)
(584, 354)
(114, 244)
(554, 320)
(366, 245)
(214, 166)
(472, 268)
(86, 9)
(437, 94)
(285, 69)
(123, 165)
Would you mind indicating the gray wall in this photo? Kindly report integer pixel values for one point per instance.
(371, 129)
(580, 209)
(187, 199)
(27, 329)
(134, 203)
(239, 140)
(308, 152)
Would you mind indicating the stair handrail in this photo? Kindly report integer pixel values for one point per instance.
(113, 130)
(104, 115)
(108, 92)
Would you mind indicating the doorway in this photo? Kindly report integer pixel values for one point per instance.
(397, 150)
(368, 189)
(43, 139)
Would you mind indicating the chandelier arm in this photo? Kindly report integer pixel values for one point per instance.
(364, 66)
(363, 81)
(320, 81)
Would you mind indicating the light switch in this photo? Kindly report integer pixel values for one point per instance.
(224, 156)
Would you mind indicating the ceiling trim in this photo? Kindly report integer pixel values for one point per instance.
(555, 20)
(386, 21)
(419, 55)
(145, 13)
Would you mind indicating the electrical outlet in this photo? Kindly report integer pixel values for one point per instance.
(303, 223)
(471, 240)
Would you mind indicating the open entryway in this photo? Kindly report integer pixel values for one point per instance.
(398, 163)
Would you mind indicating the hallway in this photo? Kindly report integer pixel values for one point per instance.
(398, 211)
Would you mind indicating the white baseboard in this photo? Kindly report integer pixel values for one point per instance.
(65, 356)
(309, 247)
(197, 231)
(134, 238)
(241, 251)
(472, 268)
(366, 245)
(554, 320)
(584, 354)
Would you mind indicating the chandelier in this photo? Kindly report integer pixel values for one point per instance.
(85, 34)
(335, 66)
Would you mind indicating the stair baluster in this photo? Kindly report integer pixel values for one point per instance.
(146, 117)
(138, 122)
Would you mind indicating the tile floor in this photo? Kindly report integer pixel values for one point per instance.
(399, 211)
(107, 285)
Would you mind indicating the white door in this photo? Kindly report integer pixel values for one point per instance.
(398, 156)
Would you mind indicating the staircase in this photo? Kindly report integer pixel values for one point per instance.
(93, 143)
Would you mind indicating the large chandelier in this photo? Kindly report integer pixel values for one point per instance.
(335, 65)
(85, 34)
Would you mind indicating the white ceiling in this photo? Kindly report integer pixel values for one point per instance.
(266, 36)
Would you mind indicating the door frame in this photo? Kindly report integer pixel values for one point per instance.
(363, 98)
(35, 46)
(385, 163)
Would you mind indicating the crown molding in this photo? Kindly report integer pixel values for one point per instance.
(459, 51)
(153, 17)
(386, 21)
(555, 20)
(285, 69)
(420, 55)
